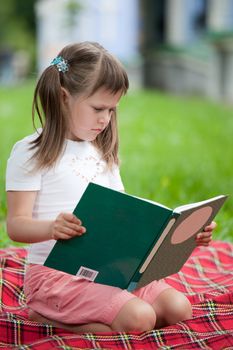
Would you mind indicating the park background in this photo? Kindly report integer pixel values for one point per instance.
(176, 122)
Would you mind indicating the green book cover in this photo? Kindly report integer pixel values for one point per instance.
(120, 229)
(121, 232)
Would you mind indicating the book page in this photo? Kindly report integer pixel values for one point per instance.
(197, 204)
(152, 202)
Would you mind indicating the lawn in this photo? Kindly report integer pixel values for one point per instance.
(173, 150)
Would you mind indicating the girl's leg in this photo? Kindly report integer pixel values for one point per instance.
(79, 305)
(171, 307)
(135, 315)
(92, 327)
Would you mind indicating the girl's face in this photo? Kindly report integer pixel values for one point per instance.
(89, 116)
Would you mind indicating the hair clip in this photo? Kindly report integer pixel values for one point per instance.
(60, 63)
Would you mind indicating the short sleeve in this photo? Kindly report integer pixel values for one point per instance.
(19, 172)
(115, 180)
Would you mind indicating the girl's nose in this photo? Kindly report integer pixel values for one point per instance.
(105, 117)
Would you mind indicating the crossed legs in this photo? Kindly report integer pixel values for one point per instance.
(168, 308)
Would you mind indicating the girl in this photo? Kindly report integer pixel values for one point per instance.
(76, 100)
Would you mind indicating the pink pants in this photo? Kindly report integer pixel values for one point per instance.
(69, 299)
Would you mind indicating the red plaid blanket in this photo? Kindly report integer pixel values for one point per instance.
(207, 278)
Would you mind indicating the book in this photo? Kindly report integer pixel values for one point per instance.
(130, 241)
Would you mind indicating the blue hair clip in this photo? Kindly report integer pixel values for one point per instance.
(60, 63)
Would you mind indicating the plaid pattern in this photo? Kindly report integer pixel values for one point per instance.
(207, 279)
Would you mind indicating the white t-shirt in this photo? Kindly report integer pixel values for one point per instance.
(60, 187)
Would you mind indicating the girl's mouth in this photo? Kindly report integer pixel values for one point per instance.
(97, 130)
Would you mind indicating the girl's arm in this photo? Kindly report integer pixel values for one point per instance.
(205, 237)
(22, 227)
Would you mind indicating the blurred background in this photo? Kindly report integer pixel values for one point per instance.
(176, 123)
(183, 46)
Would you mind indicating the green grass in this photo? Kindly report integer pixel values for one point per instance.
(178, 150)
(174, 150)
(15, 123)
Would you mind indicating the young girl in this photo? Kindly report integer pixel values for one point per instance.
(76, 99)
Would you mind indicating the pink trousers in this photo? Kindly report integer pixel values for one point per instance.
(72, 300)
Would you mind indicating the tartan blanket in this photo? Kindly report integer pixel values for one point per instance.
(207, 279)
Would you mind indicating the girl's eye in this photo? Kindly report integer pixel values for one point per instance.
(98, 109)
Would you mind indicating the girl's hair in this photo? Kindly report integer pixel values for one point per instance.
(90, 67)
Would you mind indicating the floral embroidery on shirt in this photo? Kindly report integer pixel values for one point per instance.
(88, 168)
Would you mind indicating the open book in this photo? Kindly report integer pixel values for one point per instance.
(130, 241)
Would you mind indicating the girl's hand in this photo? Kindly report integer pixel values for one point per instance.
(204, 238)
(66, 226)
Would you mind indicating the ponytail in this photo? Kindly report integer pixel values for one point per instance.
(47, 104)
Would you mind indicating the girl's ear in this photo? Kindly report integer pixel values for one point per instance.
(64, 95)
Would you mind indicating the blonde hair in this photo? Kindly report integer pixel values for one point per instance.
(90, 67)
